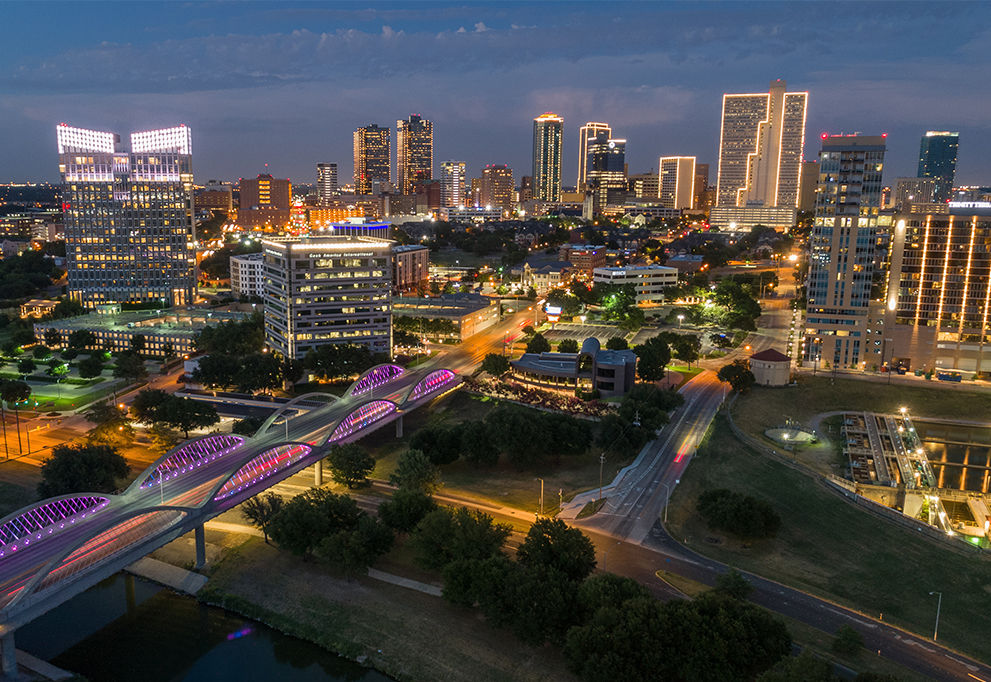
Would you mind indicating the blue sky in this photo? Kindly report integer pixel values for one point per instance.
(287, 83)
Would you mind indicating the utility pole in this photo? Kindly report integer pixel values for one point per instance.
(939, 603)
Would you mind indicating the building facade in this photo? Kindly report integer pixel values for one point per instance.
(606, 178)
(414, 152)
(807, 186)
(584, 257)
(742, 218)
(128, 217)
(677, 182)
(910, 191)
(453, 184)
(701, 187)
(326, 182)
(761, 142)
(587, 134)
(842, 329)
(247, 275)
(265, 202)
(548, 129)
(410, 267)
(650, 281)
(938, 160)
(608, 372)
(214, 195)
(327, 290)
(468, 314)
(497, 187)
(372, 160)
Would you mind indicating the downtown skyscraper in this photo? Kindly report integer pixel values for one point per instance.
(453, 184)
(414, 152)
(586, 136)
(548, 129)
(761, 142)
(326, 182)
(606, 170)
(372, 158)
(128, 216)
(938, 160)
(676, 185)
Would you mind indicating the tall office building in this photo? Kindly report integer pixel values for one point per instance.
(587, 134)
(548, 129)
(607, 170)
(326, 182)
(700, 186)
(328, 290)
(265, 202)
(372, 160)
(761, 142)
(807, 186)
(677, 182)
(841, 328)
(453, 184)
(128, 216)
(497, 186)
(910, 191)
(938, 160)
(414, 152)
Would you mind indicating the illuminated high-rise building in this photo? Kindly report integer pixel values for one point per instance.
(677, 181)
(372, 160)
(128, 216)
(326, 182)
(761, 142)
(700, 186)
(842, 330)
(497, 187)
(548, 129)
(607, 169)
(586, 135)
(938, 160)
(453, 184)
(414, 152)
(265, 202)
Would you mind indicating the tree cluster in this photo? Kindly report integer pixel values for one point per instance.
(424, 325)
(81, 468)
(338, 361)
(738, 375)
(26, 273)
(155, 406)
(234, 338)
(742, 515)
(495, 364)
(642, 412)
(244, 373)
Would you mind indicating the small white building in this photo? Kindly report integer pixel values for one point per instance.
(247, 276)
(650, 280)
(770, 368)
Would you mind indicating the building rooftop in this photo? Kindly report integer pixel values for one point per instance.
(636, 268)
(770, 355)
(410, 247)
(174, 322)
(462, 304)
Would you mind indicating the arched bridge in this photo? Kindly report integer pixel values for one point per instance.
(56, 548)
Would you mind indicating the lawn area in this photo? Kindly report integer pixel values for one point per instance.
(833, 549)
(13, 497)
(502, 484)
(764, 408)
(407, 634)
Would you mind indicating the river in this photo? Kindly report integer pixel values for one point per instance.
(126, 629)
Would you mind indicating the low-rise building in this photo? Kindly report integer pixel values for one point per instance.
(650, 281)
(247, 275)
(771, 368)
(37, 307)
(584, 257)
(544, 277)
(609, 372)
(468, 314)
(743, 218)
(410, 267)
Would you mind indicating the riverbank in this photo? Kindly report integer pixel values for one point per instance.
(404, 633)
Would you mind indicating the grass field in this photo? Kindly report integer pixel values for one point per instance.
(13, 497)
(407, 634)
(502, 484)
(833, 549)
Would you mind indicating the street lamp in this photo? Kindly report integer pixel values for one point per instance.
(815, 358)
(667, 497)
(680, 318)
(939, 603)
(541, 497)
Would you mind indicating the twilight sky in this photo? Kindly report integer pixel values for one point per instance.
(287, 83)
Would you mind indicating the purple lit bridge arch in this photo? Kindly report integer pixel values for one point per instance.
(56, 548)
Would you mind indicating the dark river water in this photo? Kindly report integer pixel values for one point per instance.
(129, 629)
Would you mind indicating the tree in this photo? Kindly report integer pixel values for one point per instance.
(185, 414)
(129, 366)
(81, 339)
(81, 468)
(739, 377)
(163, 438)
(733, 584)
(445, 535)
(538, 344)
(529, 330)
(405, 509)
(628, 643)
(261, 371)
(25, 366)
(309, 517)
(261, 509)
(848, 641)
(739, 514)
(168, 351)
(806, 667)
(567, 346)
(91, 366)
(41, 352)
(440, 443)
(415, 471)
(57, 369)
(687, 347)
(112, 426)
(14, 393)
(247, 426)
(495, 364)
(551, 543)
(354, 550)
(617, 343)
(138, 343)
(350, 464)
(218, 370)
(653, 358)
(477, 445)
(53, 337)
(146, 403)
(292, 370)
(608, 590)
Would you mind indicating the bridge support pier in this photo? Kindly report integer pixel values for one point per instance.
(8, 657)
(200, 536)
(318, 474)
(399, 427)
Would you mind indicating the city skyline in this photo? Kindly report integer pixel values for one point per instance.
(664, 100)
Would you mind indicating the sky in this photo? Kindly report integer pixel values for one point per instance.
(287, 83)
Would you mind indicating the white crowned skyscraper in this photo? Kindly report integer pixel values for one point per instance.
(128, 216)
(586, 135)
(548, 129)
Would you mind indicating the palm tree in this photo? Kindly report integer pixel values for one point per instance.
(3, 418)
(15, 392)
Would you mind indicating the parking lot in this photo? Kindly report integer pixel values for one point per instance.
(580, 332)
